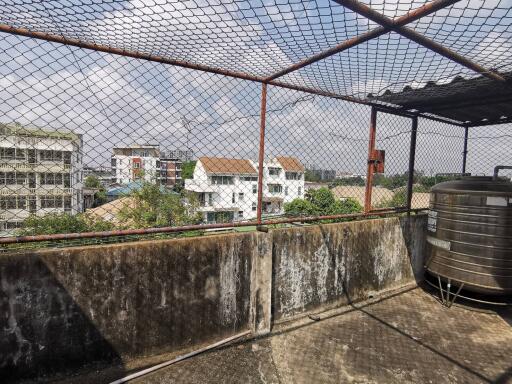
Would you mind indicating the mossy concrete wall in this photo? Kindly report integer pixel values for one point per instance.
(64, 308)
(324, 266)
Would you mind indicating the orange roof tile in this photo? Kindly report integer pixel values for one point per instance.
(290, 164)
(227, 166)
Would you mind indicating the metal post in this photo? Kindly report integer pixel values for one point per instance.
(412, 156)
(369, 172)
(261, 156)
(465, 152)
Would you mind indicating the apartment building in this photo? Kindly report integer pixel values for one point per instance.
(228, 188)
(170, 167)
(40, 173)
(136, 163)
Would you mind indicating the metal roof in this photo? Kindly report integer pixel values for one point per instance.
(474, 102)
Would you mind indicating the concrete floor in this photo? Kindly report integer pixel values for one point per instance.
(406, 338)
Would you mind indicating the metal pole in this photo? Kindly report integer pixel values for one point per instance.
(465, 152)
(409, 17)
(369, 171)
(198, 227)
(366, 11)
(261, 155)
(412, 156)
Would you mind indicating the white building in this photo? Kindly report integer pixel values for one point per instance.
(228, 188)
(40, 173)
(136, 162)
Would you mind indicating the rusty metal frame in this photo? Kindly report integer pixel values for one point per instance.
(198, 227)
(370, 165)
(412, 158)
(369, 13)
(465, 150)
(387, 25)
(408, 18)
(261, 154)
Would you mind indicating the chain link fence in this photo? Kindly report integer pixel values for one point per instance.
(129, 148)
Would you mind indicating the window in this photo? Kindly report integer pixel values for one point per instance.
(13, 224)
(248, 178)
(136, 165)
(67, 180)
(293, 176)
(286, 191)
(21, 154)
(210, 199)
(233, 198)
(240, 214)
(241, 196)
(253, 206)
(222, 180)
(113, 162)
(299, 191)
(67, 157)
(272, 171)
(254, 189)
(21, 178)
(51, 201)
(275, 188)
(67, 203)
(32, 159)
(7, 202)
(22, 202)
(7, 153)
(10, 178)
(7, 178)
(47, 155)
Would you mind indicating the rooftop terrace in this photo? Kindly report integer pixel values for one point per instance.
(408, 93)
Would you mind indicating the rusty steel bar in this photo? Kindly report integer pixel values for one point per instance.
(261, 154)
(412, 157)
(465, 151)
(386, 22)
(369, 171)
(409, 17)
(118, 51)
(149, 231)
(239, 75)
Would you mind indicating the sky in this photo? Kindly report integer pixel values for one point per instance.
(115, 101)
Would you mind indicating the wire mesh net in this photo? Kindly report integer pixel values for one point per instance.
(109, 138)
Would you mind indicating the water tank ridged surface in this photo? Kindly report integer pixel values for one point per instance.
(469, 233)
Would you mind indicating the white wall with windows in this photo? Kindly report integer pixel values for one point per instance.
(40, 172)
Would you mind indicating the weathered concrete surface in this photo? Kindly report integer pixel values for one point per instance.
(406, 338)
(331, 264)
(62, 308)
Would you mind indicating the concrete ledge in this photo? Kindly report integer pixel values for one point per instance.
(61, 309)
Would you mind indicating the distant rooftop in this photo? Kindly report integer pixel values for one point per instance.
(16, 129)
(221, 165)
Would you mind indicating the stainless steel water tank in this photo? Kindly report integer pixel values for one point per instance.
(469, 233)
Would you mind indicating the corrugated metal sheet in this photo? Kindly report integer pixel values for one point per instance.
(476, 101)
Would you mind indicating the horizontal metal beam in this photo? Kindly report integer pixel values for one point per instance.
(386, 22)
(409, 17)
(164, 60)
(149, 231)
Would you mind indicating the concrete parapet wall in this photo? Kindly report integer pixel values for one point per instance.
(64, 308)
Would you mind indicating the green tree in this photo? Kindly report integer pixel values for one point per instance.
(298, 207)
(357, 181)
(321, 202)
(187, 169)
(311, 176)
(153, 206)
(53, 223)
(100, 197)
